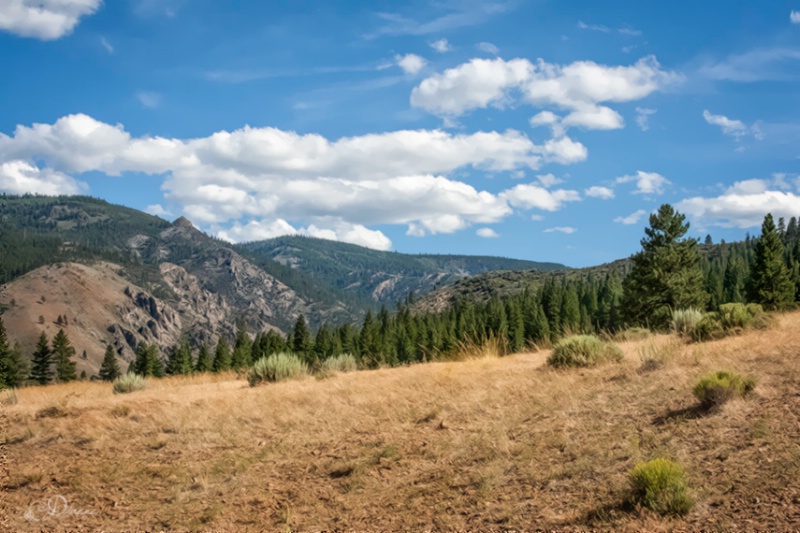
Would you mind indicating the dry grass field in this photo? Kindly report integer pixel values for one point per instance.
(485, 444)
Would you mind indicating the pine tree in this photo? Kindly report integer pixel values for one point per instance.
(179, 362)
(666, 274)
(109, 368)
(62, 357)
(41, 367)
(19, 368)
(203, 359)
(222, 356)
(770, 281)
(147, 361)
(6, 369)
(242, 348)
(302, 343)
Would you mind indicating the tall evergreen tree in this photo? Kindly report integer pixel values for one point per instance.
(179, 361)
(147, 361)
(109, 368)
(42, 361)
(222, 355)
(6, 364)
(203, 363)
(63, 352)
(666, 274)
(20, 368)
(242, 348)
(770, 281)
(302, 342)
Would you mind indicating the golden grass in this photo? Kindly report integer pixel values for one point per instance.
(489, 443)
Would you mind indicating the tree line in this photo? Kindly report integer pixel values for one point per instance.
(669, 273)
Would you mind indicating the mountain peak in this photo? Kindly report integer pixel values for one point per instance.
(183, 222)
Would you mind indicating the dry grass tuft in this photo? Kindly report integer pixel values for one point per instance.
(484, 444)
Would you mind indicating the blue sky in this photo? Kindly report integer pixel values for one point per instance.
(541, 130)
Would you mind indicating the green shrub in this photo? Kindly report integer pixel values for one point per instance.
(739, 316)
(709, 328)
(719, 387)
(340, 363)
(276, 367)
(129, 382)
(684, 321)
(583, 350)
(660, 485)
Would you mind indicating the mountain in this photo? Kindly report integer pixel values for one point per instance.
(367, 275)
(111, 274)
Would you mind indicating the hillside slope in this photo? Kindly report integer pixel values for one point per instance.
(482, 445)
(385, 277)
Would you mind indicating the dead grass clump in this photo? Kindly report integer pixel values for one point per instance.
(719, 387)
(491, 346)
(660, 485)
(583, 351)
(8, 397)
(633, 334)
(54, 411)
(655, 356)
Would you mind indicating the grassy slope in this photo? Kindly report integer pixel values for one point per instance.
(490, 443)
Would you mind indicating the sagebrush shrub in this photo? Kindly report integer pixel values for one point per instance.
(339, 363)
(583, 350)
(276, 367)
(739, 316)
(684, 321)
(709, 328)
(719, 387)
(660, 485)
(129, 382)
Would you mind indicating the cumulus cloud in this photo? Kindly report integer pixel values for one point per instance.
(578, 87)
(441, 46)
(44, 19)
(646, 182)
(595, 191)
(633, 218)
(530, 196)
(742, 205)
(411, 63)
(487, 233)
(643, 117)
(337, 188)
(561, 229)
(20, 177)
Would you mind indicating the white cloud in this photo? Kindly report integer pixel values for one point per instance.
(487, 233)
(742, 205)
(441, 46)
(594, 27)
(561, 229)
(734, 128)
(595, 191)
(107, 45)
(633, 218)
(44, 19)
(411, 63)
(335, 230)
(643, 117)
(318, 185)
(646, 182)
(149, 99)
(20, 177)
(548, 180)
(489, 48)
(579, 88)
(159, 211)
(530, 196)
(537, 218)
(794, 17)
